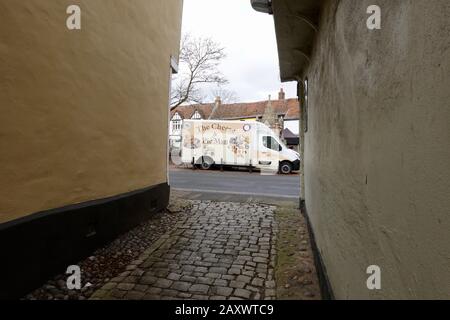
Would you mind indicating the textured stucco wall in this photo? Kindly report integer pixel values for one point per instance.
(377, 167)
(84, 113)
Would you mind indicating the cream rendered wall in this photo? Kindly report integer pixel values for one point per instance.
(377, 158)
(84, 113)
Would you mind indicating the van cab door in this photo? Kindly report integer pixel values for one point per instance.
(268, 154)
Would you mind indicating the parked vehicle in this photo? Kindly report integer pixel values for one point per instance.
(206, 143)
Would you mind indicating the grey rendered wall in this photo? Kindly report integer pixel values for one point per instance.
(377, 158)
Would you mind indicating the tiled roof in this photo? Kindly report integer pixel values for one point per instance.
(186, 112)
(293, 112)
(289, 108)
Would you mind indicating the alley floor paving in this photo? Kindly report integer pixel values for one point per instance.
(221, 250)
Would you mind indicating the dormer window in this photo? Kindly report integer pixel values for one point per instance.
(176, 122)
(196, 116)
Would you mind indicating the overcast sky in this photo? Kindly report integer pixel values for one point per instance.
(248, 36)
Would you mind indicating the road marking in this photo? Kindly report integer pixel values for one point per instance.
(239, 193)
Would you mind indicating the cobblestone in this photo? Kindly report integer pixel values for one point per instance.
(223, 291)
(242, 293)
(219, 251)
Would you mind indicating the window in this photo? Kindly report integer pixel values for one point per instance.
(306, 92)
(271, 143)
(176, 125)
(176, 122)
(196, 116)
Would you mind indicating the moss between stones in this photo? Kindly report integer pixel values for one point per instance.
(295, 273)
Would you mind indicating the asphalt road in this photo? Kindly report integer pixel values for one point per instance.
(235, 182)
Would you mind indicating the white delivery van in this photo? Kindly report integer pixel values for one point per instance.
(206, 143)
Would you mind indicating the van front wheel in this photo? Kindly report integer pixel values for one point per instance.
(285, 167)
(206, 163)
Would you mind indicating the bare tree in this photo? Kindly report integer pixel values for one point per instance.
(199, 61)
(226, 96)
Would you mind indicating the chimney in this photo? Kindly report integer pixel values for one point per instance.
(281, 94)
(217, 104)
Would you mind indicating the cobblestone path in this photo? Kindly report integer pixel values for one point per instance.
(222, 250)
